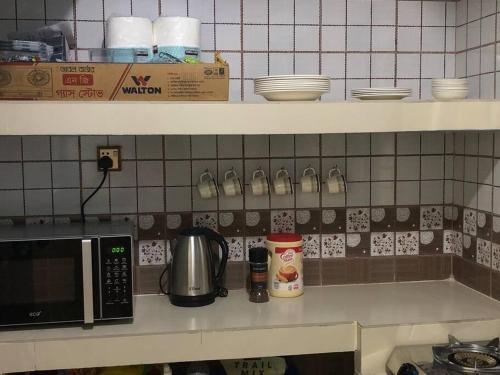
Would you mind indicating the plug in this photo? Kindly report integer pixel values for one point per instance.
(104, 163)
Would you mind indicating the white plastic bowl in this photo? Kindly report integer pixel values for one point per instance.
(449, 94)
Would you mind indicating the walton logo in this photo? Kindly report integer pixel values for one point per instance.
(141, 82)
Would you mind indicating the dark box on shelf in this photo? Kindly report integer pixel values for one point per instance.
(113, 82)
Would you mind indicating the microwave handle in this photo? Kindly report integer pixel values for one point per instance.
(88, 293)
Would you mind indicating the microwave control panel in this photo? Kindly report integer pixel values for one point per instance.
(116, 277)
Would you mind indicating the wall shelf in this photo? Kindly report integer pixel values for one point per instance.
(324, 319)
(52, 118)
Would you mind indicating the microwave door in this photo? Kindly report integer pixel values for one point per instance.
(45, 281)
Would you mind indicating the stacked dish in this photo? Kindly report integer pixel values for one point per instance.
(292, 87)
(380, 93)
(448, 89)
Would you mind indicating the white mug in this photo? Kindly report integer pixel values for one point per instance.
(259, 183)
(207, 186)
(231, 183)
(310, 181)
(282, 182)
(336, 181)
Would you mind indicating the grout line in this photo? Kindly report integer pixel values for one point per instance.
(420, 55)
(242, 60)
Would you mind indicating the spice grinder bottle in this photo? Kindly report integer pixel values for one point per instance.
(258, 275)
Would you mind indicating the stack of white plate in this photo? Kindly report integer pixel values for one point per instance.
(448, 88)
(292, 87)
(380, 93)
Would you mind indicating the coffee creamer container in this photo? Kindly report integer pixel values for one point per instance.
(286, 278)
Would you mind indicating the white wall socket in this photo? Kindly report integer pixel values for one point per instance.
(113, 152)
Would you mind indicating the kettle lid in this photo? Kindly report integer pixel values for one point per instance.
(196, 231)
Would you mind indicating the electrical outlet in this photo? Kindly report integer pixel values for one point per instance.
(113, 152)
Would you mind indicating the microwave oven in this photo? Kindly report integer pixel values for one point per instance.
(66, 273)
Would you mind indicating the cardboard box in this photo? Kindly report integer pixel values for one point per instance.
(108, 82)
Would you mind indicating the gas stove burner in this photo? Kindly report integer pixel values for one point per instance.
(480, 357)
(473, 360)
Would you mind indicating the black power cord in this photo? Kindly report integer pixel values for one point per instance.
(104, 164)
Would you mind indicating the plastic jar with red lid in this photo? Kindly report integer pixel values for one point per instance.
(285, 276)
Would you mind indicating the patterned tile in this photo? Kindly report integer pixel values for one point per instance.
(450, 217)
(231, 223)
(311, 246)
(407, 218)
(484, 223)
(495, 257)
(205, 219)
(333, 220)
(431, 242)
(308, 221)
(333, 245)
(251, 242)
(407, 243)
(382, 219)
(152, 253)
(469, 247)
(459, 222)
(495, 229)
(282, 221)
(151, 227)
(431, 217)
(452, 242)
(257, 223)
(236, 248)
(178, 222)
(358, 220)
(357, 244)
(382, 243)
(483, 252)
(470, 221)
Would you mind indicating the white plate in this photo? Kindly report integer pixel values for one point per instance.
(381, 97)
(380, 92)
(292, 95)
(326, 87)
(448, 90)
(294, 84)
(291, 90)
(294, 76)
(453, 81)
(446, 85)
(382, 89)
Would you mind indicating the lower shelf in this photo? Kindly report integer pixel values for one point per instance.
(323, 320)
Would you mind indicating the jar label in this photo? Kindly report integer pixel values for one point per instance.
(286, 270)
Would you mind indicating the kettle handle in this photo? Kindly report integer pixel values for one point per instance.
(214, 236)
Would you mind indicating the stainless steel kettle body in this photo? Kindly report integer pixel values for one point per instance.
(193, 279)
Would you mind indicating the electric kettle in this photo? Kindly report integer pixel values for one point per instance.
(193, 277)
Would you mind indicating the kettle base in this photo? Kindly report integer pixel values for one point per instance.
(192, 301)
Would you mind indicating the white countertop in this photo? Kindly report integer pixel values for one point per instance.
(326, 319)
(368, 305)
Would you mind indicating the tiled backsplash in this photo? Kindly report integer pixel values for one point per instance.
(399, 189)
(477, 35)
(358, 43)
(413, 199)
(477, 206)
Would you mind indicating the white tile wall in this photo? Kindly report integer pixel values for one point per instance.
(477, 36)
(383, 42)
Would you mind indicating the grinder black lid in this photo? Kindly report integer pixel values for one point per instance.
(258, 255)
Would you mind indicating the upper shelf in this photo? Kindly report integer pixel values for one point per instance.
(51, 118)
